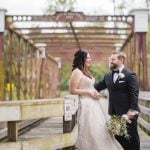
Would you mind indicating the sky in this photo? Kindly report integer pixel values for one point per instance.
(36, 7)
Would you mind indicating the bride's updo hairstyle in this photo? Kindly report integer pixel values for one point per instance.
(79, 62)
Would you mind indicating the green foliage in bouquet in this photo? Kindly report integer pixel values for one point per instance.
(117, 125)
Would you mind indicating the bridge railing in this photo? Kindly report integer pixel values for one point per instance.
(144, 119)
(136, 51)
(27, 72)
(15, 111)
(144, 103)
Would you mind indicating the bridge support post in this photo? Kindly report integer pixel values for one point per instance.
(2, 29)
(13, 131)
(41, 55)
(69, 120)
(67, 127)
(140, 30)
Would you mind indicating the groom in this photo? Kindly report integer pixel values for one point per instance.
(123, 90)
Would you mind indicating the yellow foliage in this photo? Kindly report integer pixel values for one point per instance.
(1, 80)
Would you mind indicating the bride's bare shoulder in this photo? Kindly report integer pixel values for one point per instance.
(77, 72)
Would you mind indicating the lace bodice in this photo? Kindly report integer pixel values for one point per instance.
(86, 83)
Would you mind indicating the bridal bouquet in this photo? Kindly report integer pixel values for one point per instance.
(117, 125)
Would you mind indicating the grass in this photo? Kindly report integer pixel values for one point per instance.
(63, 93)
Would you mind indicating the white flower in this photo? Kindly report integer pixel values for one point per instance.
(121, 75)
(117, 125)
(126, 117)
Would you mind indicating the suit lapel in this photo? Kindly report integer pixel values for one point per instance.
(110, 76)
(111, 79)
(117, 81)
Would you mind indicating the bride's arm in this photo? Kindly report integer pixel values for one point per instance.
(74, 82)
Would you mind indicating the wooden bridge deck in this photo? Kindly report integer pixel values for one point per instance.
(145, 140)
(51, 126)
(55, 126)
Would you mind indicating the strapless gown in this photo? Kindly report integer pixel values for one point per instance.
(93, 134)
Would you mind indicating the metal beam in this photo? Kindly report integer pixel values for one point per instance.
(75, 35)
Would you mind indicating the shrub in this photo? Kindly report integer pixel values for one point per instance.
(97, 70)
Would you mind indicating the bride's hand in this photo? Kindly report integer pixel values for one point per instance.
(94, 94)
(98, 95)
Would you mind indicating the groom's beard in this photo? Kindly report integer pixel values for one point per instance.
(113, 66)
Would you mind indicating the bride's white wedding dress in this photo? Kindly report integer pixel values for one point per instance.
(93, 134)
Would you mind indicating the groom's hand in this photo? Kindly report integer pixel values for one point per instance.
(131, 113)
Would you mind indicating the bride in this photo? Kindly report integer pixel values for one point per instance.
(93, 134)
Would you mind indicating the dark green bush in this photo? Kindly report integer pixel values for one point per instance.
(65, 75)
(97, 70)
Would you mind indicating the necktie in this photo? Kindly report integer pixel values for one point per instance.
(115, 75)
(115, 71)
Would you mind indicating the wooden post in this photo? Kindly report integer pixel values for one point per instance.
(145, 66)
(13, 131)
(67, 128)
(140, 30)
(2, 28)
(41, 54)
(1, 68)
(69, 120)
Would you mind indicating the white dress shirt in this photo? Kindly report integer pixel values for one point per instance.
(115, 75)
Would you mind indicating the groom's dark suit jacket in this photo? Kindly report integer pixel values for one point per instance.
(123, 94)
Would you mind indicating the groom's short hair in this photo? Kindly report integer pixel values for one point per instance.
(121, 55)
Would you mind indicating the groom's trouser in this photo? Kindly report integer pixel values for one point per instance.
(133, 142)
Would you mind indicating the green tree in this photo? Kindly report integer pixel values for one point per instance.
(65, 76)
(98, 71)
(59, 5)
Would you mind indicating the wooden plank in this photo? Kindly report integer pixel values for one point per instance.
(33, 109)
(47, 143)
(51, 126)
(41, 111)
(144, 140)
(145, 110)
(53, 142)
(144, 95)
(144, 124)
(10, 146)
(144, 99)
(9, 113)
